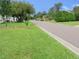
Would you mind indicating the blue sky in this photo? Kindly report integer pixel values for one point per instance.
(44, 5)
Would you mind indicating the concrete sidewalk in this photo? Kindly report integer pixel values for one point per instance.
(68, 36)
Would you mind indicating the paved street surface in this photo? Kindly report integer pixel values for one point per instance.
(67, 33)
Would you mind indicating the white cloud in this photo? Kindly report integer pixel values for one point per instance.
(65, 8)
(68, 9)
(75, 5)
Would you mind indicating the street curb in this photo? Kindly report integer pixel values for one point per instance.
(63, 42)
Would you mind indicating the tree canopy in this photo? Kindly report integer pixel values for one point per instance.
(76, 12)
(5, 7)
(20, 10)
(59, 15)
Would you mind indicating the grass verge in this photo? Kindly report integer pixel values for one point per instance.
(74, 23)
(30, 44)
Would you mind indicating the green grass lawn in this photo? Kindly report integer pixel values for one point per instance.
(74, 23)
(30, 43)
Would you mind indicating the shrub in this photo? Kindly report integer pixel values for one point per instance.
(64, 16)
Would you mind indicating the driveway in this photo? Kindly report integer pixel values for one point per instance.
(67, 33)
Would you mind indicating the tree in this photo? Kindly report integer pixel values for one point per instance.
(22, 10)
(64, 16)
(59, 15)
(58, 6)
(5, 9)
(76, 12)
(53, 11)
(40, 15)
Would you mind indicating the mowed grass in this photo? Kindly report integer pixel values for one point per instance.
(30, 43)
(14, 25)
(74, 23)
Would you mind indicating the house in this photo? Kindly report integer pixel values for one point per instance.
(8, 19)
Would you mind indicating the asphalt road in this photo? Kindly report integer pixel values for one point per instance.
(67, 33)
